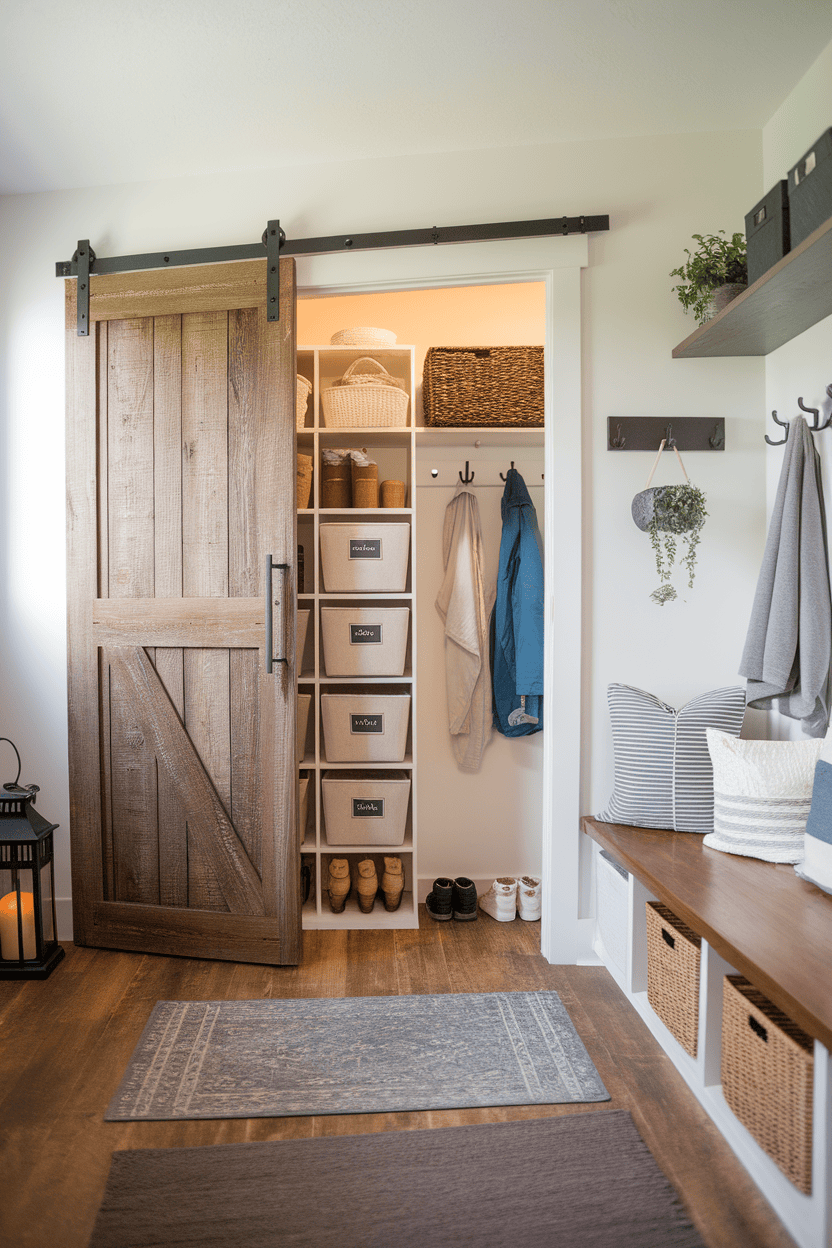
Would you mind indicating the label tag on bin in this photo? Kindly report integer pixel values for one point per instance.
(365, 548)
(368, 808)
(365, 634)
(367, 724)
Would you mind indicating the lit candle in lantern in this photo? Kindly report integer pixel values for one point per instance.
(9, 943)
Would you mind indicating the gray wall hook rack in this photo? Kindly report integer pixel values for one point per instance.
(685, 433)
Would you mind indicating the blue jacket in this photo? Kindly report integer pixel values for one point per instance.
(517, 618)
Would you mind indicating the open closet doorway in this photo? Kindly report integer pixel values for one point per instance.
(541, 773)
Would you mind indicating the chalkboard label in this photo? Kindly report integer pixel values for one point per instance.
(365, 634)
(367, 723)
(365, 548)
(368, 808)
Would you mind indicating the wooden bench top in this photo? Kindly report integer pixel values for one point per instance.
(775, 928)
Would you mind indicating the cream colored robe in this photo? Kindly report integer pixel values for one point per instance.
(464, 605)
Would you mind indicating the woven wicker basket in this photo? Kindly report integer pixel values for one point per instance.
(304, 389)
(365, 396)
(363, 336)
(673, 956)
(483, 386)
(767, 1075)
(304, 485)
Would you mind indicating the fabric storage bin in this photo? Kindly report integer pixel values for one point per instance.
(364, 641)
(365, 727)
(673, 957)
(810, 189)
(483, 386)
(365, 807)
(303, 805)
(767, 231)
(364, 558)
(767, 1077)
(303, 704)
(612, 907)
(300, 639)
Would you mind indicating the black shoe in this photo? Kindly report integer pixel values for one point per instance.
(439, 901)
(464, 899)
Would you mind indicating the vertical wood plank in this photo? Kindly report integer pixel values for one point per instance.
(82, 585)
(131, 541)
(170, 663)
(103, 592)
(205, 560)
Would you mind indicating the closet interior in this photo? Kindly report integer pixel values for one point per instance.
(418, 806)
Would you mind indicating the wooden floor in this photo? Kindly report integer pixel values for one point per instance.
(64, 1044)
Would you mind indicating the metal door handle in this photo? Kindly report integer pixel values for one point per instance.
(271, 658)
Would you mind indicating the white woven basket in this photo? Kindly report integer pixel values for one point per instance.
(363, 336)
(304, 389)
(365, 398)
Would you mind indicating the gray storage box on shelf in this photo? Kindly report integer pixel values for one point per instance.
(365, 558)
(365, 727)
(767, 1077)
(767, 233)
(365, 807)
(612, 907)
(673, 959)
(304, 702)
(364, 641)
(810, 189)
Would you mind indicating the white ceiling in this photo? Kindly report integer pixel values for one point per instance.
(95, 92)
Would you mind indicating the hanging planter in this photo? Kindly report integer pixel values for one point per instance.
(671, 514)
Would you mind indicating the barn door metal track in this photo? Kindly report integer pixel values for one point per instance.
(85, 262)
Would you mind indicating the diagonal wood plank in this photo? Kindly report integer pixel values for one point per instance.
(208, 820)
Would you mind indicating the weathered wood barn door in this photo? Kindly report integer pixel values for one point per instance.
(181, 483)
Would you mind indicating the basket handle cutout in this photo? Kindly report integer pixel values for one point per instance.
(761, 1031)
(668, 939)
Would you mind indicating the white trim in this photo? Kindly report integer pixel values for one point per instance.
(557, 262)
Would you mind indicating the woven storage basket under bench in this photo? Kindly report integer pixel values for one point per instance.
(673, 957)
(767, 1077)
(483, 386)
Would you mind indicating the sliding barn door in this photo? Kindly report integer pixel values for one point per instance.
(181, 489)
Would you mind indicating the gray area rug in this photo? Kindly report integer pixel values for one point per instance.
(577, 1181)
(354, 1055)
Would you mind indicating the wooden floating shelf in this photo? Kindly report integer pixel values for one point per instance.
(792, 296)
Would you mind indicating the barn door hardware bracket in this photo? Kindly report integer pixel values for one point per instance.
(644, 433)
(276, 244)
(84, 258)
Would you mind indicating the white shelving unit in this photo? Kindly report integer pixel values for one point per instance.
(394, 451)
(808, 1218)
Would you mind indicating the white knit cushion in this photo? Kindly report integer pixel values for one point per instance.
(762, 795)
(663, 775)
(816, 866)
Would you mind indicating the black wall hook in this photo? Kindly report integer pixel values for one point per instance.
(466, 480)
(502, 475)
(784, 424)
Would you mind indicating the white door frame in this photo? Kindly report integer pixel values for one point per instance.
(557, 262)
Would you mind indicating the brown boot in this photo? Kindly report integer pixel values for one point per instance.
(339, 884)
(367, 886)
(392, 883)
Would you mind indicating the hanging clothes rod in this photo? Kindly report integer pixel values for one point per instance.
(815, 426)
(85, 262)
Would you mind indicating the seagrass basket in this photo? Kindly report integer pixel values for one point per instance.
(363, 336)
(366, 396)
(483, 386)
(304, 490)
(767, 1077)
(673, 956)
(304, 389)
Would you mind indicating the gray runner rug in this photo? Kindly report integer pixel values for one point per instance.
(577, 1181)
(354, 1055)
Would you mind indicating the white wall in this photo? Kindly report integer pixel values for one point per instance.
(801, 368)
(658, 192)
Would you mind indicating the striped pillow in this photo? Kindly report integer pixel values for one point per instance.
(663, 773)
(762, 796)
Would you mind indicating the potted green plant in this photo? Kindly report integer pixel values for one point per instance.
(714, 274)
(669, 513)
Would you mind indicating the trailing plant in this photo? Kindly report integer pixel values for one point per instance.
(717, 261)
(678, 513)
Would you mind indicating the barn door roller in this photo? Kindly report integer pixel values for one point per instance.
(84, 262)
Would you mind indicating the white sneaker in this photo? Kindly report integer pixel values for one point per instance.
(501, 899)
(528, 897)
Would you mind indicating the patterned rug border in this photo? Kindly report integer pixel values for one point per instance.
(305, 1056)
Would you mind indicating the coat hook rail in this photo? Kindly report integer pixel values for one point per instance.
(816, 424)
(685, 433)
(503, 475)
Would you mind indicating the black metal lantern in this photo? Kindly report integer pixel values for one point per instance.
(29, 946)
